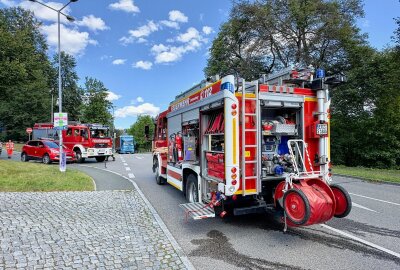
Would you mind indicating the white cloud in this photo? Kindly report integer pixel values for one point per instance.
(139, 33)
(145, 108)
(139, 99)
(93, 23)
(170, 24)
(177, 16)
(112, 96)
(105, 57)
(44, 13)
(119, 61)
(72, 41)
(7, 3)
(192, 40)
(159, 48)
(207, 30)
(125, 5)
(146, 65)
(190, 34)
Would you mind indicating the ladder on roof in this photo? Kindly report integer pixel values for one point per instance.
(247, 94)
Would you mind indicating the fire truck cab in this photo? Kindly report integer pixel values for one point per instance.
(86, 140)
(252, 146)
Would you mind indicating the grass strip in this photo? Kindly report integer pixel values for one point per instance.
(369, 173)
(23, 176)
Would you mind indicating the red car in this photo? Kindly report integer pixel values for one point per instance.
(45, 150)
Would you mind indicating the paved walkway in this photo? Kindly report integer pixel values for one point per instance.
(84, 230)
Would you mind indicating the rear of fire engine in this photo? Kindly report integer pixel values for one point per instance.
(251, 147)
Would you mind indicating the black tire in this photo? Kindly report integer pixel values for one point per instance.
(78, 156)
(24, 157)
(192, 190)
(159, 179)
(339, 190)
(289, 208)
(100, 159)
(46, 159)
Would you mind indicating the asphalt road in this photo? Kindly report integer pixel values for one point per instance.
(369, 238)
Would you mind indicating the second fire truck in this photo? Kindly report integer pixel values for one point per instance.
(251, 147)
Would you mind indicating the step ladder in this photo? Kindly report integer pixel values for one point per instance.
(256, 132)
(198, 210)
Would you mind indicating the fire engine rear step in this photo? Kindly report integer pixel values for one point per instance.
(198, 210)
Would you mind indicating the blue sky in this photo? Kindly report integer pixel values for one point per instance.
(146, 52)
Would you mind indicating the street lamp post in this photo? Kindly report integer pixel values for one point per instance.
(71, 19)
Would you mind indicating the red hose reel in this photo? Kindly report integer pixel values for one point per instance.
(312, 201)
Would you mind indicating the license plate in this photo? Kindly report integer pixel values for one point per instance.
(322, 129)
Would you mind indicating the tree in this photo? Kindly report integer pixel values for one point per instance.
(138, 131)
(71, 93)
(24, 73)
(97, 107)
(275, 34)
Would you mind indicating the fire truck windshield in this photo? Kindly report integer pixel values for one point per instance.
(99, 133)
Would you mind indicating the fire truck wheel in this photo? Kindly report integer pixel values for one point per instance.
(296, 206)
(343, 201)
(159, 179)
(24, 157)
(192, 191)
(78, 156)
(100, 159)
(46, 159)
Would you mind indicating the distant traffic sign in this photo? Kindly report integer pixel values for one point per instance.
(29, 130)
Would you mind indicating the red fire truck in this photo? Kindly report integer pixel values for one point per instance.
(86, 140)
(252, 146)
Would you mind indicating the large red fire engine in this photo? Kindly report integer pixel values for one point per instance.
(252, 146)
(86, 140)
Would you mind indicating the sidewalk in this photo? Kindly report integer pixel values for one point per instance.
(84, 230)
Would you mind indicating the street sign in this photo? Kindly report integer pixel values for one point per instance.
(60, 120)
(29, 130)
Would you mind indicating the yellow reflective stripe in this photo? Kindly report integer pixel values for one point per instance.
(173, 184)
(247, 190)
(310, 99)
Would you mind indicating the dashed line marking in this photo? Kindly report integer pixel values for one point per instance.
(125, 164)
(140, 157)
(362, 241)
(362, 196)
(131, 175)
(363, 207)
(127, 168)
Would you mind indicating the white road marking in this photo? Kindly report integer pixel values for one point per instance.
(362, 241)
(139, 157)
(127, 168)
(362, 196)
(363, 207)
(131, 175)
(125, 164)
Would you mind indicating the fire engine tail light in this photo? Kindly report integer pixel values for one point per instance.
(234, 112)
(233, 170)
(233, 176)
(234, 106)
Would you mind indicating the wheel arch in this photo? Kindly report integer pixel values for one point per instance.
(185, 174)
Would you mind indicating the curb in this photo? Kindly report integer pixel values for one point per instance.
(378, 182)
(174, 243)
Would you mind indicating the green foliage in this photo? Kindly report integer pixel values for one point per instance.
(270, 34)
(24, 73)
(365, 122)
(97, 107)
(137, 130)
(71, 93)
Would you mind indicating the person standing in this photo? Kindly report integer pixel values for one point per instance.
(10, 148)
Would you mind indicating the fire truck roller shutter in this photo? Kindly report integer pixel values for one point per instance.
(174, 124)
(190, 115)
